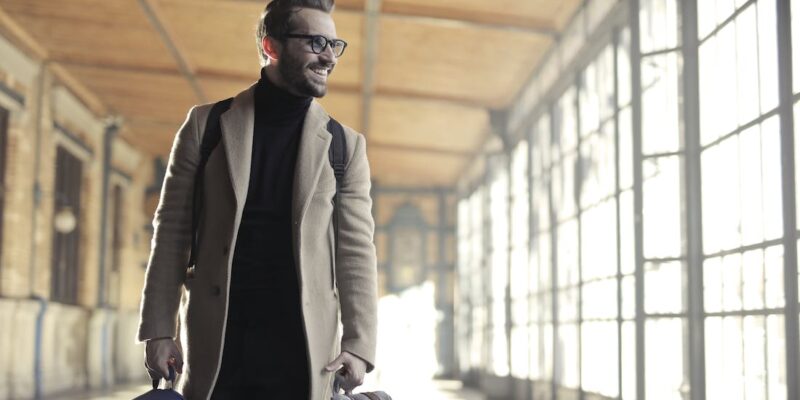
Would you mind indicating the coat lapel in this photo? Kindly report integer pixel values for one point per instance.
(312, 154)
(237, 137)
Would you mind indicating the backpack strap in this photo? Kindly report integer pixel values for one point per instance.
(337, 153)
(211, 137)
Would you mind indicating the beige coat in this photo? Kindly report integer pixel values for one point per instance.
(329, 290)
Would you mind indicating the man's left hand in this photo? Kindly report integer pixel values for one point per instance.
(354, 369)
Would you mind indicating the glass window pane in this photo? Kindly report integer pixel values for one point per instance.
(724, 356)
(600, 358)
(625, 149)
(545, 261)
(732, 282)
(597, 166)
(499, 351)
(712, 284)
(750, 186)
(535, 355)
(663, 288)
(624, 68)
(626, 234)
(519, 352)
(753, 281)
(568, 305)
(477, 345)
(596, 98)
(658, 20)
(628, 297)
(773, 266)
(720, 196)
(547, 351)
(660, 103)
(747, 66)
(755, 368)
(599, 241)
(717, 84)
(599, 300)
(768, 54)
(565, 114)
(771, 178)
(664, 358)
(661, 212)
(628, 360)
(776, 357)
(563, 189)
(567, 373)
(567, 257)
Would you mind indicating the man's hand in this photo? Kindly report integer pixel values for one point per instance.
(354, 370)
(159, 354)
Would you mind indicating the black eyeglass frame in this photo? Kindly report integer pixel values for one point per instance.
(328, 42)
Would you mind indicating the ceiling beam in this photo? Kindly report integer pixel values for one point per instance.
(376, 144)
(371, 24)
(157, 19)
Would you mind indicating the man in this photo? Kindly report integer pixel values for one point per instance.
(262, 321)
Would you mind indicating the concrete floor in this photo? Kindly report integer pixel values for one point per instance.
(437, 390)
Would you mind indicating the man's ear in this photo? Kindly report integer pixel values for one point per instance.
(271, 47)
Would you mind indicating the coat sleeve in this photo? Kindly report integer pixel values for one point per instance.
(172, 223)
(356, 261)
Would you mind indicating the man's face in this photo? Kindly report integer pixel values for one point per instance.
(304, 72)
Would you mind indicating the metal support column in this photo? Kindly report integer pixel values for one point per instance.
(692, 193)
(636, 112)
(112, 127)
(784, 27)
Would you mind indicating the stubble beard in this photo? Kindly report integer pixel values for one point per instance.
(295, 74)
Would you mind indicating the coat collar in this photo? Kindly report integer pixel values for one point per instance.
(237, 135)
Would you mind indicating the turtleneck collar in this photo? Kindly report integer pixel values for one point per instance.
(276, 105)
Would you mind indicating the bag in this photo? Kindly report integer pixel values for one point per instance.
(337, 385)
(162, 394)
(337, 154)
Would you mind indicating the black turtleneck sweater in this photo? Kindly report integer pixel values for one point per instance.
(263, 257)
(265, 344)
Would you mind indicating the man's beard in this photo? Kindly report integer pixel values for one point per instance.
(295, 74)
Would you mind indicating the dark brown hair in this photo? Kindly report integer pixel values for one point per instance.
(276, 20)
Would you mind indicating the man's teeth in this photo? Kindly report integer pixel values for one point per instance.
(321, 71)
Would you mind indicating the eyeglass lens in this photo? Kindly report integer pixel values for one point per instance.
(319, 43)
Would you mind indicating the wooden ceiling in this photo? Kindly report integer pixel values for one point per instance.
(418, 78)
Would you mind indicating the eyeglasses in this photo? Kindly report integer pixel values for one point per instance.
(319, 43)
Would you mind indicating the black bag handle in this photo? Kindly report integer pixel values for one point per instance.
(171, 378)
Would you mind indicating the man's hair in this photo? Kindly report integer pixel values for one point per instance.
(276, 20)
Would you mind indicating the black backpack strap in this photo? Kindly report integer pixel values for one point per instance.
(337, 153)
(211, 137)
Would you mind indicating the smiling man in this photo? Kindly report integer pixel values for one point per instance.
(262, 321)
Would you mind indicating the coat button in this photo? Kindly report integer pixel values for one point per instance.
(215, 290)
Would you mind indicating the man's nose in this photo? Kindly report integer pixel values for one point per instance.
(328, 55)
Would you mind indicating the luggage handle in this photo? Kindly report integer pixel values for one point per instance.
(170, 379)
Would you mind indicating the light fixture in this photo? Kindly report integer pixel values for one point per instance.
(65, 220)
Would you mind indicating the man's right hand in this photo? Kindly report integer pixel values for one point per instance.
(159, 354)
